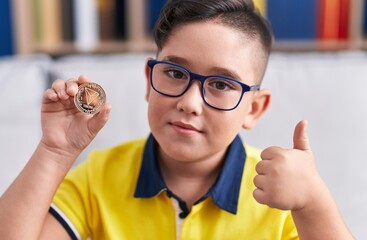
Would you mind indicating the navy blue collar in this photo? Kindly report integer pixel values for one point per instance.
(225, 192)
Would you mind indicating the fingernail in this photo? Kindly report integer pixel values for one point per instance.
(53, 95)
(73, 90)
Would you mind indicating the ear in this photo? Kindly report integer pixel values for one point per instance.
(147, 77)
(260, 103)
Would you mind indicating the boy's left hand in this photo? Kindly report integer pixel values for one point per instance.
(287, 178)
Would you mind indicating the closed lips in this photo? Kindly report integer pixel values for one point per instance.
(185, 126)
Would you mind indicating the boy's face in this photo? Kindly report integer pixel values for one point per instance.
(185, 127)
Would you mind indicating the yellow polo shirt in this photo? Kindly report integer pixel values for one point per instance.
(119, 194)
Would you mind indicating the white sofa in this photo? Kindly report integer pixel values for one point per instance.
(327, 89)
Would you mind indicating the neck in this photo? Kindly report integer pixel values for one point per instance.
(190, 180)
(194, 170)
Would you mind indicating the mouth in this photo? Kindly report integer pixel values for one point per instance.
(184, 127)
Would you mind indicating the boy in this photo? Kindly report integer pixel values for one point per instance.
(192, 178)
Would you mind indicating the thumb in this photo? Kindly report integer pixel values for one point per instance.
(300, 137)
(99, 119)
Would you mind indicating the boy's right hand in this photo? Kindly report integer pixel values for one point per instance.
(66, 130)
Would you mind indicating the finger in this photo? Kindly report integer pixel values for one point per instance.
(72, 87)
(260, 181)
(261, 167)
(268, 153)
(60, 88)
(50, 95)
(83, 79)
(99, 119)
(300, 137)
(260, 196)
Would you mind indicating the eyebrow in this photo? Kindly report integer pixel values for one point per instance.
(176, 60)
(219, 71)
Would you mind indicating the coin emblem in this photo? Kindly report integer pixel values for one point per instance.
(90, 98)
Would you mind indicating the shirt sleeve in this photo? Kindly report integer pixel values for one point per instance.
(290, 230)
(71, 203)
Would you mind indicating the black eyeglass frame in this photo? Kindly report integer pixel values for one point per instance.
(201, 78)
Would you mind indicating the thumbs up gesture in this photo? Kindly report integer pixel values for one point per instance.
(287, 178)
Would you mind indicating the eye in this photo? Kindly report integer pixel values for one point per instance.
(176, 74)
(221, 85)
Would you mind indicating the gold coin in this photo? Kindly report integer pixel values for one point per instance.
(90, 98)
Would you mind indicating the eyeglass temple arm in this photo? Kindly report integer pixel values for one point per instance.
(255, 88)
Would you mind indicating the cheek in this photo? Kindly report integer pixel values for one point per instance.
(158, 106)
(227, 125)
(223, 129)
(153, 109)
(231, 122)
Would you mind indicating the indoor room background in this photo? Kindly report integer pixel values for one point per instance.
(318, 72)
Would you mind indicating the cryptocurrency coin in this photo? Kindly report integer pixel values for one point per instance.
(90, 98)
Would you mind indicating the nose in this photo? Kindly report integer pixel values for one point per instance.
(191, 101)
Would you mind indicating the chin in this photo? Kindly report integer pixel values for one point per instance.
(180, 151)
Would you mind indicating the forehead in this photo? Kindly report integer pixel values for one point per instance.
(210, 45)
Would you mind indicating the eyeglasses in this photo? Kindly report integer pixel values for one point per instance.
(217, 92)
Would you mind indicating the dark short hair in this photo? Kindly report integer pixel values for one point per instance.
(238, 14)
